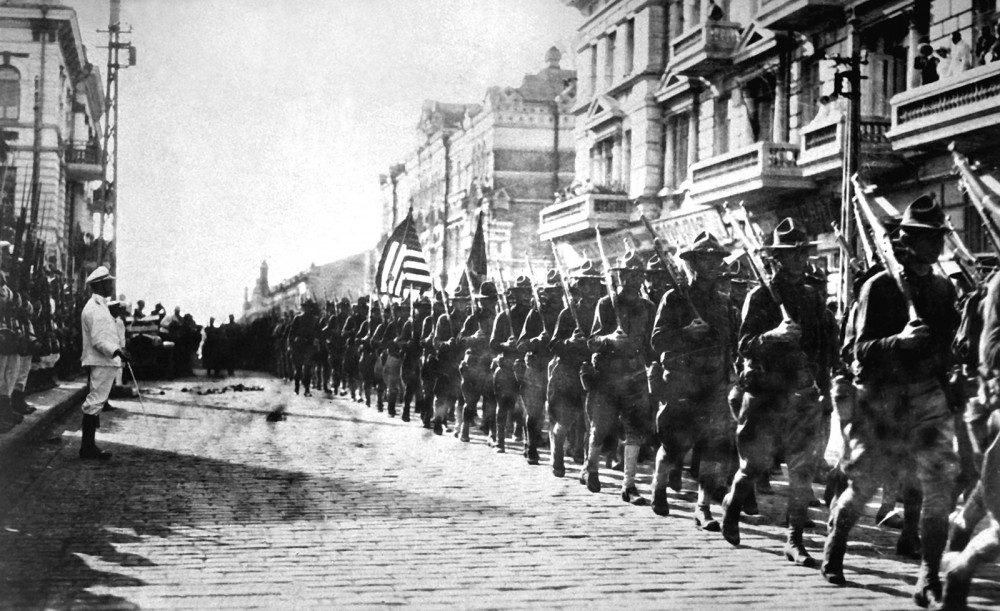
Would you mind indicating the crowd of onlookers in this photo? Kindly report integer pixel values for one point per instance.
(935, 64)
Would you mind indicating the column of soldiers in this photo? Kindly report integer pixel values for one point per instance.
(693, 368)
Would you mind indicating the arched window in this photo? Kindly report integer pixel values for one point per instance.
(10, 92)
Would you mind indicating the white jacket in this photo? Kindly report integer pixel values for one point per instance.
(100, 334)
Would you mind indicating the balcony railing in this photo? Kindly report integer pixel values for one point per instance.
(822, 147)
(704, 49)
(797, 14)
(84, 163)
(583, 212)
(963, 106)
(749, 173)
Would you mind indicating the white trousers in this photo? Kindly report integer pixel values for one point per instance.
(10, 366)
(22, 374)
(101, 381)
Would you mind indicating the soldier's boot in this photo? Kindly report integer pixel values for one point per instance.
(392, 407)
(532, 433)
(703, 519)
(630, 494)
(933, 537)
(19, 404)
(795, 549)
(674, 478)
(660, 505)
(835, 546)
(556, 447)
(406, 412)
(593, 481)
(750, 507)
(908, 543)
(501, 424)
(437, 426)
(732, 504)
(463, 431)
(88, 445)
(297, 382)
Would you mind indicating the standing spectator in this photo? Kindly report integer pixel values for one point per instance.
(927, 64)
(984, 45)
(231, 336)
(102, 354)
(961, 54)
(139, 312)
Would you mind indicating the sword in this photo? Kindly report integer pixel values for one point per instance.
(138, 393)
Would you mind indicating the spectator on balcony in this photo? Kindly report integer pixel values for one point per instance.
(994, 53)
(927, 64)
(831, 109)
(984, 45)
(961, 54)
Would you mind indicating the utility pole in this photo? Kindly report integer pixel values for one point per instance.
(849, 72)
(109, 158)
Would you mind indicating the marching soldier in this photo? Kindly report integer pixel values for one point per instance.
(369, 349)
(902, 410)
(446, 340)
(392, 371)
(430, 366)
(303, 337)
(506, 329)
(569, 345)
(350, 364)
(534, 341)
(616, 379)
(657, 280)
(476, 367)
(965, 552)
(784, 366)
(334, 333)
(409, 341)
(696, 356)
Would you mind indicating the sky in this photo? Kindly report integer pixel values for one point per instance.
(257, 129)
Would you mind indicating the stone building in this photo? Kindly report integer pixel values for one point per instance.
(505, 157)
(43, 59)
(347, 277)
(687, 104)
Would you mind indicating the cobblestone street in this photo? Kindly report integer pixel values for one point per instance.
(206, 504)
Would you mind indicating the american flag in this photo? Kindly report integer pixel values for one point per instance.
(403, 263)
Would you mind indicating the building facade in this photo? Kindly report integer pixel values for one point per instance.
(51, 109)
(348, 277)
(504, 157)
(685, 105)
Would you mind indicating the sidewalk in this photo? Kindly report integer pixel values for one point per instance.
(49, 405)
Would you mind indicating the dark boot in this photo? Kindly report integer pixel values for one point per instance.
(19, 404)
(795, 549)
(88, 446)
(438, 426)
(392, 407)
(832, 567)
(558, 462)
(908, 544)
(531, 444)
(750, 507)
(933, 538)
(660, 505)
(406, 412)
(593, 481)
(674, 478)
(732, 504)
(703, 519)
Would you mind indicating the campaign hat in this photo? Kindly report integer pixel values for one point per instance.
(924, 213)
(630, 261)
(704, 244)
(788, 236)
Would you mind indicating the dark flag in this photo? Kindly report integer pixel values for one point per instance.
(475, 265)
(403, 263)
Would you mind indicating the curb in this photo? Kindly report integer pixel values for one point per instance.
(50, 405)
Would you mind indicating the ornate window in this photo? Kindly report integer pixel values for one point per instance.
(10, 92)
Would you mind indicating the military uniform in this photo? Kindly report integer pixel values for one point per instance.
(565, 393)
(303, 340)
(446, 341)
(503, 340)
(534, 341)
(784, 366)
(902, 411)
(696, 361)
(475, 368)
(616, 382)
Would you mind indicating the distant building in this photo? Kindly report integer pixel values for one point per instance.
(348, 277)
(504, 157)
(42, 57)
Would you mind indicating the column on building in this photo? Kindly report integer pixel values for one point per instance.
(692, 13)
(781, 99)
(693, 142)
(584, 68)
(651, 39)
(675, 19)
(603, 48)
(616, 158)
(621, 50)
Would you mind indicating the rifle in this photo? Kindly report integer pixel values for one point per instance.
(864, 238)
(883, 246)
(845, 248)
(607, 281)
(984, 203)
(676, 276)
(753, 249)
(960, 253)
(534, 296)
(565, 288)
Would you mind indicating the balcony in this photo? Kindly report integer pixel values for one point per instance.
(704, 49)
(84, 163)
(797, 14)
(753, 173)
(822, 147)
(964, 107)
(583, 212)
